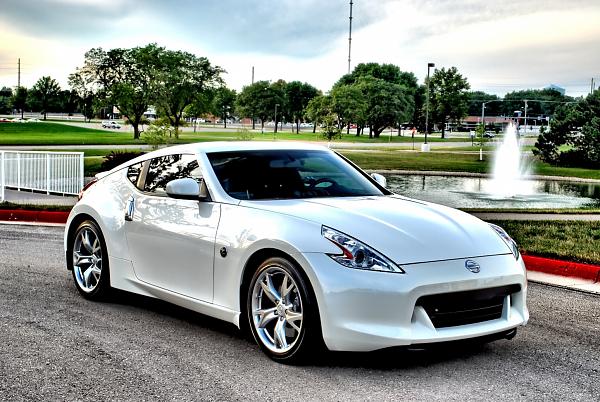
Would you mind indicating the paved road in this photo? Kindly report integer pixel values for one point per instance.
(54, 345)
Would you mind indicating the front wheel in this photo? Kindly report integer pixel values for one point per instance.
(89, 261)
(283, 313)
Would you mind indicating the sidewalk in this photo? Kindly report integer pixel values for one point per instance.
(33, 198)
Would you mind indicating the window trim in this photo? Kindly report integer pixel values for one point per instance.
(146, 167)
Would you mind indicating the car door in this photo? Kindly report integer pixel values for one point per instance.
(171, 241)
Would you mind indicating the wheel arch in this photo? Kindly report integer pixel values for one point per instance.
(73, 225)
(250, 267)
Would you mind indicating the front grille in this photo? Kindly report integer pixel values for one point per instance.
(468, 307)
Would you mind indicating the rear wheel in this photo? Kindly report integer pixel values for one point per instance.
(283, 313)
(89, 261)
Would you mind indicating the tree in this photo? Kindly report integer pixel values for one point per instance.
(223, 103)
(298, 95)
(44, 94)
(388, 91)
(181, 78)
(317, 108)
(19, 99)
(349, 105)
(84, 87)
(449, 97)
(576, 125)
(126, 78)
(5, 100)
(477, 98)
(539, 101)
(387, 104)
(258, 100)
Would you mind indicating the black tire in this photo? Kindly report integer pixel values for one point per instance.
(309, 342)
(99, 288)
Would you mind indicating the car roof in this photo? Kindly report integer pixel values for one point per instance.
(222, 146)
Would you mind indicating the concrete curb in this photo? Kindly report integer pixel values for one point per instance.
(532, 263)
(562, 268)
(21, 215)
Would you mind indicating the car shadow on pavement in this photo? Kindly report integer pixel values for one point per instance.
(385, 359)
(173, 311)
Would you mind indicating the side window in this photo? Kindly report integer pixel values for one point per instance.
(133, 173)
(170, 167)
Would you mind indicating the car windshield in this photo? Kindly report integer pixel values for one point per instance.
(289, 174)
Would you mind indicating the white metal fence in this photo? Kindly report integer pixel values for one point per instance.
(49, 172)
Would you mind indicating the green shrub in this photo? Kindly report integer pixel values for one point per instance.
(115, 158)
(243, 134)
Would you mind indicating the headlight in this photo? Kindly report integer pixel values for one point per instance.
(356, 254)
(507, 239)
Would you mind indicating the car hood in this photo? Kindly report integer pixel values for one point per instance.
(405, 230)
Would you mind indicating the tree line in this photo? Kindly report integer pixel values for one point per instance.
(182, 85)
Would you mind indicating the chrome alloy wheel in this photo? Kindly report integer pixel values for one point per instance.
(87, 259)
(277, 309)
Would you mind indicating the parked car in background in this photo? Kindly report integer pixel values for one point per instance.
(111, 124)
(297, 245)
(489, 134)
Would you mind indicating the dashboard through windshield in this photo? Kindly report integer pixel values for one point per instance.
(289, 174)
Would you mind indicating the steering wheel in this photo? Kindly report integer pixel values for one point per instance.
(315, 183)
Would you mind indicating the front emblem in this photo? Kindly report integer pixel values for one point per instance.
(472, 266)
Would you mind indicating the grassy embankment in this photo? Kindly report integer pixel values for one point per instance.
(568, 240)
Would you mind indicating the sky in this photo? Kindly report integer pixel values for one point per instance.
(498, 45)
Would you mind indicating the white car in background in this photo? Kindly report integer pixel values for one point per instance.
(111, 124)
(296, 244)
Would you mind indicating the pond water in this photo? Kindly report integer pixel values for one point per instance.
(475, 192)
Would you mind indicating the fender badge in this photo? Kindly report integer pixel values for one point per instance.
(472, 266)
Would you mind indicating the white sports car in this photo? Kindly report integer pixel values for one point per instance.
(296, 244)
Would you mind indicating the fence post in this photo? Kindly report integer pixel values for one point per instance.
(82, 178)
(18, 171)
(1, 176)
(47, 173)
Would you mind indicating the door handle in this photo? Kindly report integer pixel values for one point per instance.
(130, 209)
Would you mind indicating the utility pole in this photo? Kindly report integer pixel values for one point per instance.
(350, 37)
(525, 115)
(426, 147)
(253, 119)
(592, 86)
(19, 73)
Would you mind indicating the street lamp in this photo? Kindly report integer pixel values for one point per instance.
(276, 105)
(426, 148)
(225, 109)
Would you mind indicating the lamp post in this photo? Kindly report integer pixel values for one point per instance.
(426, 147)
(276, 105)
(525, 116)
(225, 108)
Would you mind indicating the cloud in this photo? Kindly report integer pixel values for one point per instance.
(59, 19)
(292, 28)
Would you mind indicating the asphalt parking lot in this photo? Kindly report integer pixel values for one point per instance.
(54, 345)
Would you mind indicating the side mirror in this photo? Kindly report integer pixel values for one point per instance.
(380, 179)
(187, 189)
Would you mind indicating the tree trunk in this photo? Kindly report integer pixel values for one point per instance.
(297, 126)
(443, 131)
(348, 128)
(136, 130)
(45, 114)
(370, 131)
(314, 127)
(253, 123)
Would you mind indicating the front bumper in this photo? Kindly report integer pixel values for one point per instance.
(366, 310)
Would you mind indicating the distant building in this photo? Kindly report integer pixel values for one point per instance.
(556, 88)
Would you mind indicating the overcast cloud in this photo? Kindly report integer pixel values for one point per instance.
(499, 45)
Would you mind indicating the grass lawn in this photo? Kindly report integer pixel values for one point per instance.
(569, 240)
(51, 133)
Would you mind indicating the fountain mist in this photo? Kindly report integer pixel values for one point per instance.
(510, 168)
